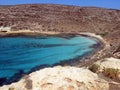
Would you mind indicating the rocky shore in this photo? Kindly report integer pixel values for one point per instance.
(72, 78)
(89, 72)
(60, 19)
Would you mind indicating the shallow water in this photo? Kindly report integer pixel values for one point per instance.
(21, 54)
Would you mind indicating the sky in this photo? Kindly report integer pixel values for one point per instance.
(112, 4)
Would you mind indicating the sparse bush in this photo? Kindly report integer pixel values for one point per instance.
(103, 34)
(11, 88)
(117, 50)
(112, 73)
(94, 68)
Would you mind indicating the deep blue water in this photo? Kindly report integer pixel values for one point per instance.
(21, 54)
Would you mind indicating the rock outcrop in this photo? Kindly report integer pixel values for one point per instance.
(109, 63)
(60, 78)
(107, 77)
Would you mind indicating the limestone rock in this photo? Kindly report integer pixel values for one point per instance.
(60, 78)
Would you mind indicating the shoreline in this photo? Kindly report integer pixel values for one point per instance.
(84, 60)
(77, 62)
(99, 24)
(26, 33)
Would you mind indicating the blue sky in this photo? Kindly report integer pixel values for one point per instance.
(114, 4)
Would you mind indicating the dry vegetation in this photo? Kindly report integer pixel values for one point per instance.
(112, 73)
(94, 68)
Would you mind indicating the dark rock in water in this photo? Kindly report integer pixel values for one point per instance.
(14, 78)
(95, 45)
(39, 67)
(2, 80)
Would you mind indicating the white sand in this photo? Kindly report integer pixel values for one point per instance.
(98, 37)
(35, 31)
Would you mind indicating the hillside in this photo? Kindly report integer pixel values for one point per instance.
(45, 17)
(101, 23)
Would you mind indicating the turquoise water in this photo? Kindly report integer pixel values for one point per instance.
(22, 54)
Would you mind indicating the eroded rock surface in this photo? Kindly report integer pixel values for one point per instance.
(60, 78)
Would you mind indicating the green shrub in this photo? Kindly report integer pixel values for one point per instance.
(94, 68)
(112, 73)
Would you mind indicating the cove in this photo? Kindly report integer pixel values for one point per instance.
(20, 54)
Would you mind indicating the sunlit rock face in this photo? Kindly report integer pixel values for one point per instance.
(60, 78)
(109, 63)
